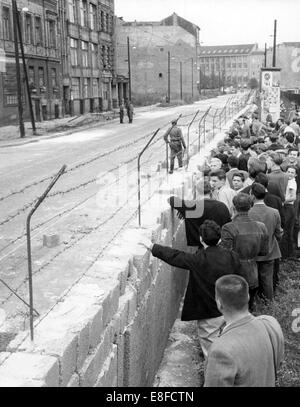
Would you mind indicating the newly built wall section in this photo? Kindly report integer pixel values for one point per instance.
(112, 328)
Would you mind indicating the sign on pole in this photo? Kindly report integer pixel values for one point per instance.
(270, 93)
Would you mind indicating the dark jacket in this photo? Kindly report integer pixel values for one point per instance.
(275, 202)
(281, 179)
(249, 239)
(176, 139)
(271, 218)
(206, 266)
(243, 161)
(196, 212)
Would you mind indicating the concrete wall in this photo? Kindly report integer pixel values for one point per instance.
(113, 326)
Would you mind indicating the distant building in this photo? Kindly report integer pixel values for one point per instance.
(288, 59)
(229, 65)
(41, 38)
(150, 43)
(88, 56)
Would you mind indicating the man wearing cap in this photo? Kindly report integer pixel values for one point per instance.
(176, 143)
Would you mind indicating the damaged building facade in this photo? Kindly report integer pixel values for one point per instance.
(69, 48)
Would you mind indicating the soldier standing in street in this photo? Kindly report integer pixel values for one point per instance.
(130, 111)
(121, 112)
(176, 143)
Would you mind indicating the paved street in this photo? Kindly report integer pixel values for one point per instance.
(78, 208)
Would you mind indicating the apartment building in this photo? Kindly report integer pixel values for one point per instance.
(41, 37)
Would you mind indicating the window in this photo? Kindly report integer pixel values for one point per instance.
(53, 77)
(28, 29)
(38, 31)
(102, 22)
(86, 83)
(74, 51)
(94, 52)
(52, 33)
(107, 22)
(31, 75)
(95, 89)
(72, 11)
(41, 77)
(93, 17)
(6, 23)
(83, 13)
(75, 88)
(85, 53)
(104, 56)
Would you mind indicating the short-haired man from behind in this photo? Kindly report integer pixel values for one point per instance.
(205, 266)
(276, 174)
(250, 349)
(271, 218)
(248, 238)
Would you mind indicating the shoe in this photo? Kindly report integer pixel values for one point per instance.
(170, 172)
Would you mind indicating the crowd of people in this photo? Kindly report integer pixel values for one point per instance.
(246, 223)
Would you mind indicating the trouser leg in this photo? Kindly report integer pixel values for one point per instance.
(265, 278)
(287, 238)
(179, 157)
(172, 159)
(208, 331)
(252, 295)
(276, 274)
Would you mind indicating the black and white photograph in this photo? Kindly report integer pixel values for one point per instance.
(149, 196)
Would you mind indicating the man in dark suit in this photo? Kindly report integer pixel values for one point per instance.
(271, 218)
(249, 349)
(195, 212)
(205, 266)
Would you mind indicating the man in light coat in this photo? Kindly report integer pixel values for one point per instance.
(249, 349)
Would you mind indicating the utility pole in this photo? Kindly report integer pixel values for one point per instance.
(192, 78)
(129, 68)
(169, 79)
(180, 63)
(274, 44)
(18, 73)
(25, 72)
(265, 55)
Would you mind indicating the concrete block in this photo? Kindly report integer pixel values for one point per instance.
(96, 327)
(132, 304)
(108, 376)
(110, 303)
(94, 362)
(68, 361)
(141, 263)
(74, 381)
(83, 345)
(120, 360)
(50, 240)
(29, 369)
(122, 277)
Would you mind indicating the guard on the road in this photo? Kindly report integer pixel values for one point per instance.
(130, 111)
(121, 112)
(176, 143)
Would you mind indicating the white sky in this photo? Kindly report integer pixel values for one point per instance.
(223, 22)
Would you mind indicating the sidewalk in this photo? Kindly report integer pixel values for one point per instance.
(10, 135)
(183, 363)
